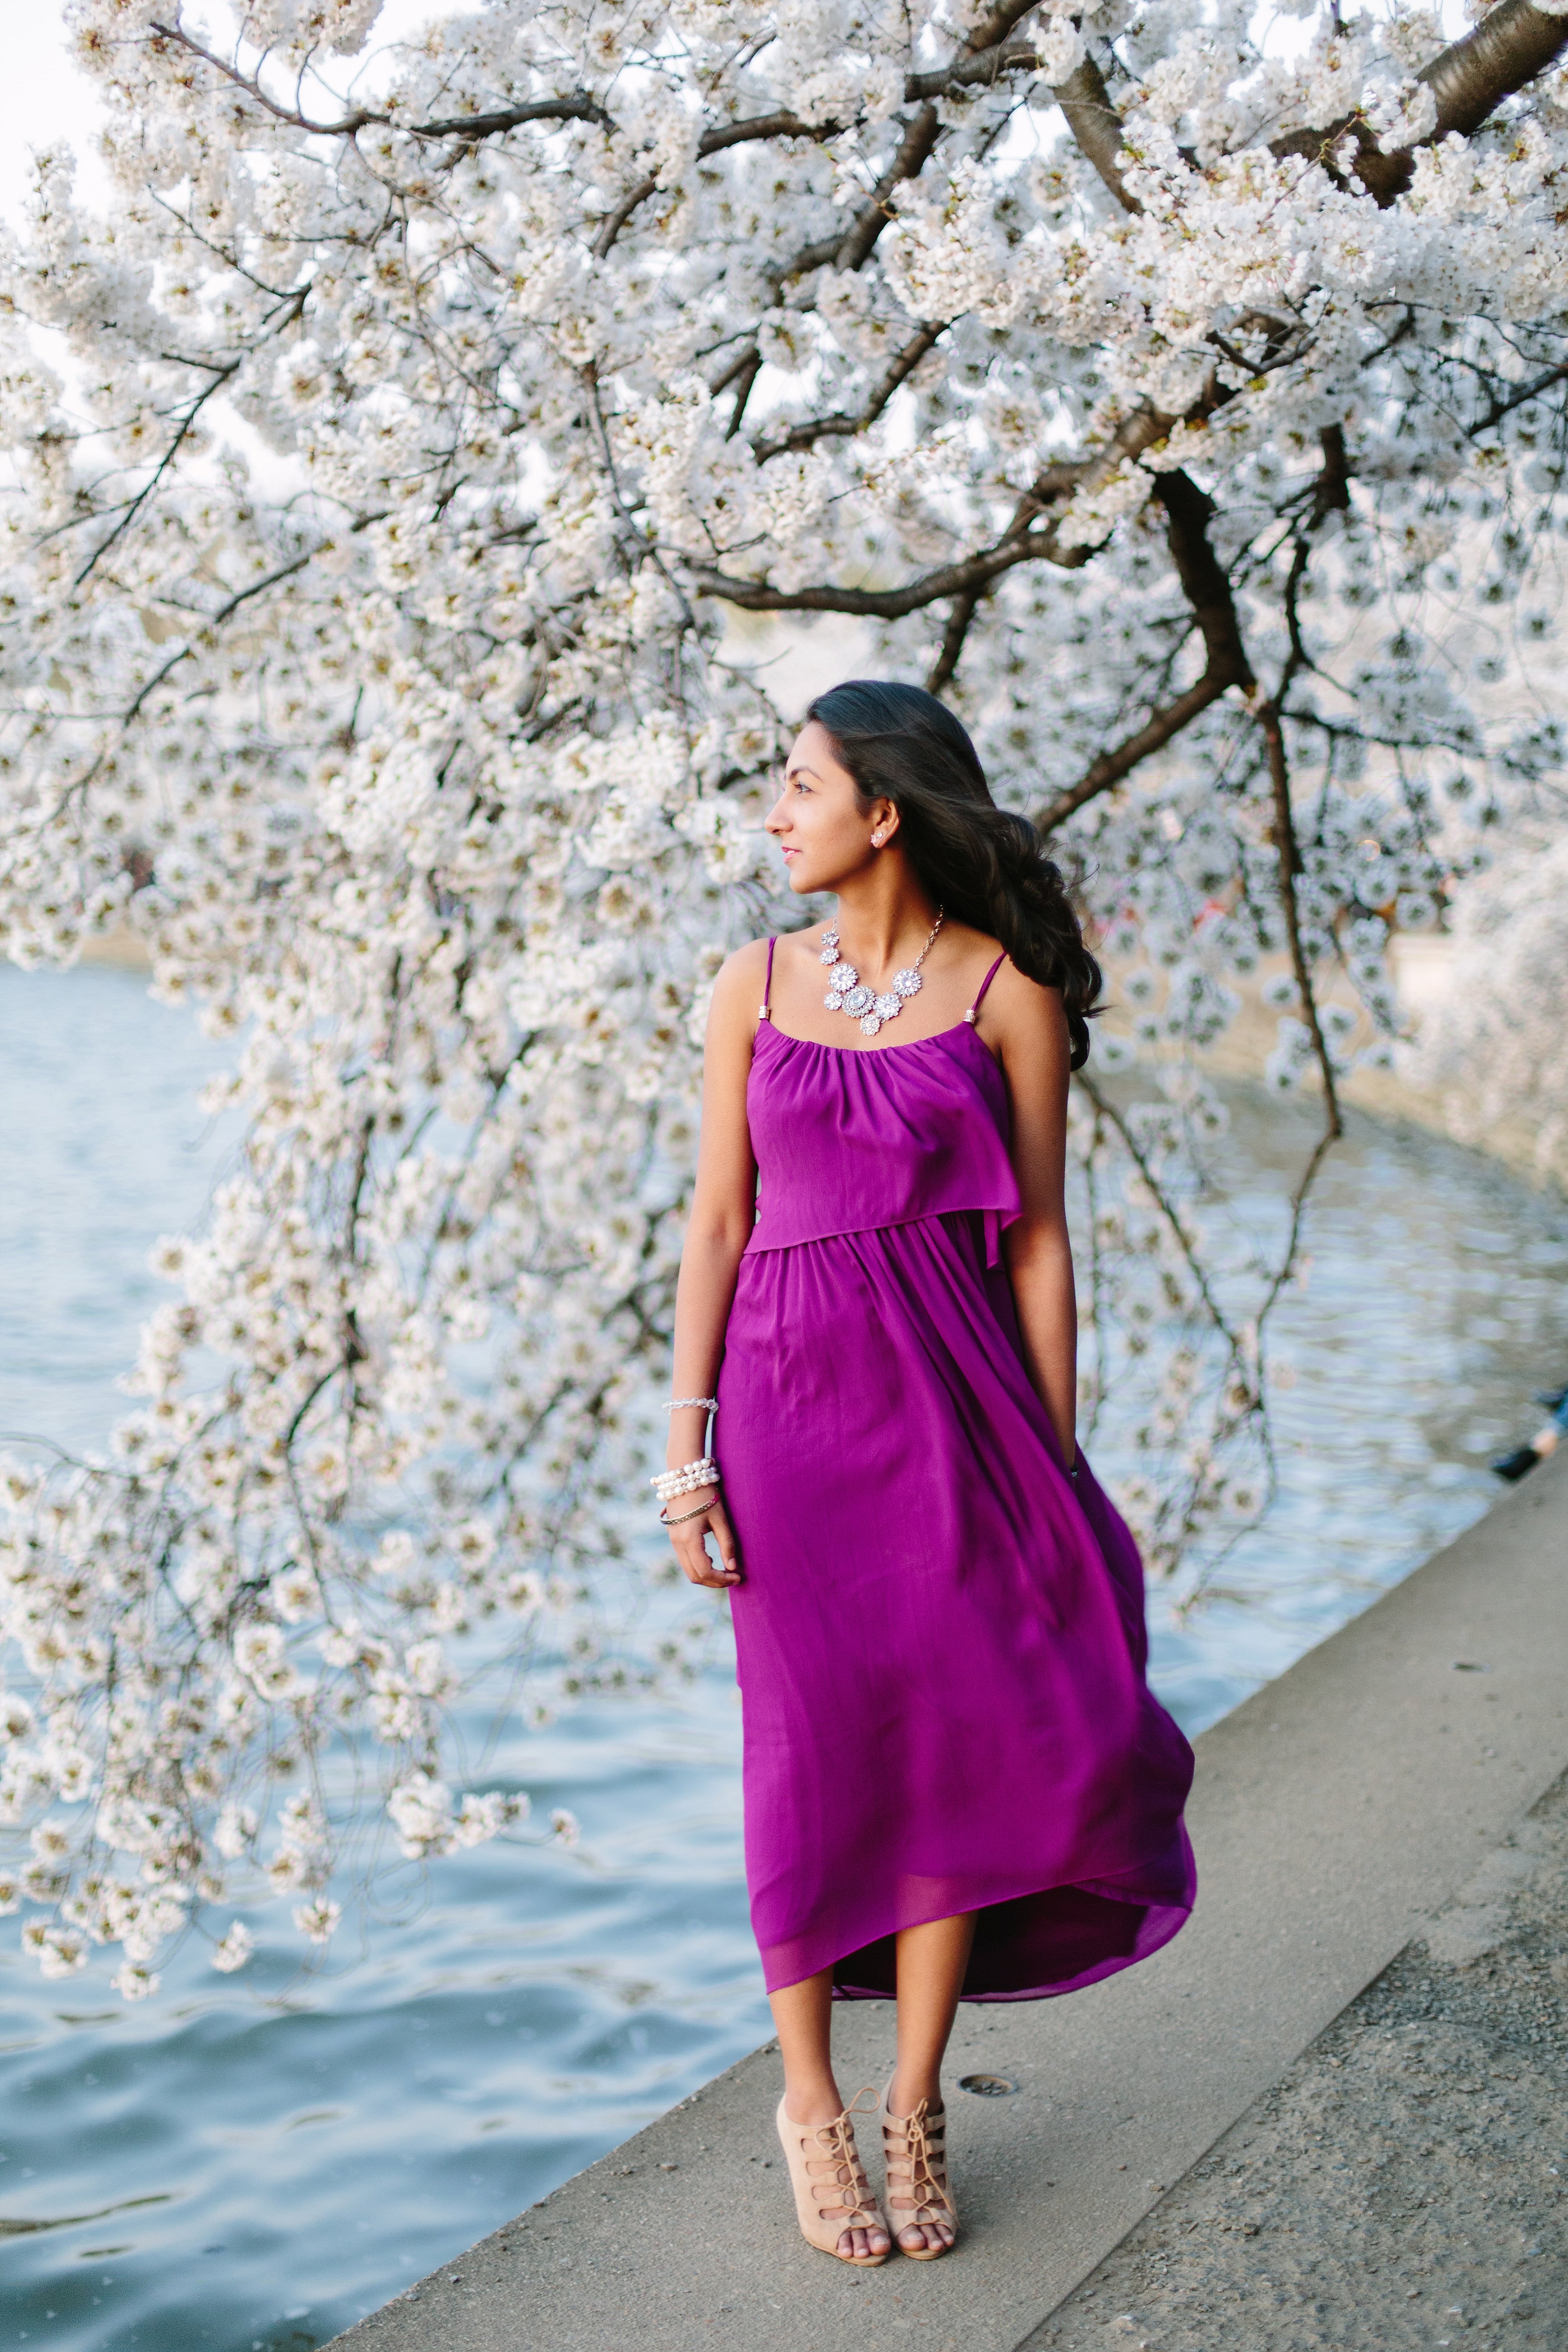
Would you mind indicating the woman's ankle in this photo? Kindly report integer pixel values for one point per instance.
(813, 2104)
(904, 2096)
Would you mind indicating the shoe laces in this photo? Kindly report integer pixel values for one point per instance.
(924, 2195)
(840, 2164)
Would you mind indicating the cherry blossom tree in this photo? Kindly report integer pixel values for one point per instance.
(1181, 393)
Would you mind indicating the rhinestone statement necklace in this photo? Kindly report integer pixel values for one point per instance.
(847, 991)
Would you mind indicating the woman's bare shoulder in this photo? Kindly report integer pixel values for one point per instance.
(743, 971)
(1022, 1008)
(739, 986)
(1013, 987)
(747, 969)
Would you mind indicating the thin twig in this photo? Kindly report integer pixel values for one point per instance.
(578, 107)
(840, 423)
(1287, 1267)
(221, 371)
(1289, 855)
(1140, 1158)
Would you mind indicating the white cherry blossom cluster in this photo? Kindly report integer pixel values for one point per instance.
(384, 467)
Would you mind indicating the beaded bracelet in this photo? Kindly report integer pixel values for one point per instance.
(668, 1495)
(675, 1403)
(680, 1482)
(682, 1470)
(671, 1482)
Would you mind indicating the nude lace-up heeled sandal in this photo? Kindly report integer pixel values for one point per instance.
(832, 2193)
(914, 2150)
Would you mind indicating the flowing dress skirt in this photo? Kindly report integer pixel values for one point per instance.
(940, 1643)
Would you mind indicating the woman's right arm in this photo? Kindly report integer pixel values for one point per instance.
(723, 1203)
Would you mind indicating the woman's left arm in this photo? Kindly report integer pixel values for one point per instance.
(1031, 1032)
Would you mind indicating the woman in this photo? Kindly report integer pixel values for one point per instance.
(957, 1784)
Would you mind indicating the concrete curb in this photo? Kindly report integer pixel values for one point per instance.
(1332, 1814)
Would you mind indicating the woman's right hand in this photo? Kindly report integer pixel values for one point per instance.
(691, 1549)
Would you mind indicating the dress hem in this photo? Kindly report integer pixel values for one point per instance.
(1160, 1921)
(1172, 1918)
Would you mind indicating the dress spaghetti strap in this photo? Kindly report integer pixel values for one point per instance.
(764, 1010)
(973, 1013)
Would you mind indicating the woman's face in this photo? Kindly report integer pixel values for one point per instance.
(815, 820)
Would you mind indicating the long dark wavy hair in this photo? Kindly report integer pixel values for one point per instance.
(982, 864)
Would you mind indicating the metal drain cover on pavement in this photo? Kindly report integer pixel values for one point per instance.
(986, 2086)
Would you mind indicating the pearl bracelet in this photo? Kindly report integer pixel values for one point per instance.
(677, 1482)
(668, 1495)
(670, 1484)
(676, 1403)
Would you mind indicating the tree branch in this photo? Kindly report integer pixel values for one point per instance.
(802, 436)
(576, 107)
(220, 371)
(729, 135)
(258, 587)
(1286, 1266)
(743, 377)
(987, 53)
(1205, 581)
(1468, 79)
(910, 161)
(1207, 589)
(1507, 50)
(211, 621)
(1111, 766)
(1096, 126)
(1290, 865)
(976, 571)
(1165, 1204)
(151, 687)
(1330, 494)
(993, 29)
(1502, 406)
(616, 221)
(985, 67)
(964, 611)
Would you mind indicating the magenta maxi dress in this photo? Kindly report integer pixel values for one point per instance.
(940, 1641)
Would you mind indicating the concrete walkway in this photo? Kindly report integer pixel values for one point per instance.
(1407, 2183)
(1335, 1815)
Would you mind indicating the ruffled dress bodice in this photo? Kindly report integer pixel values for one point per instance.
(848, 1142)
